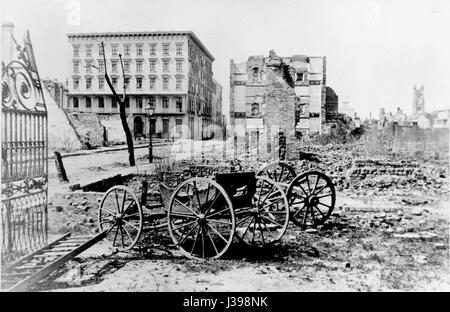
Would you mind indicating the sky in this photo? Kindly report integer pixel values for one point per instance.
(376, 50)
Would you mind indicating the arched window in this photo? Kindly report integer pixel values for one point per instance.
(255, 74)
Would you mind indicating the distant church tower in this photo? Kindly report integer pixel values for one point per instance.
(418, 100)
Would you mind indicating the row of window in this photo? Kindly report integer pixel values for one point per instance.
(126, 48)
(199, 89)
(127, 65)
(139, 102)
(198, 105)
(139, 82)
(199, 58)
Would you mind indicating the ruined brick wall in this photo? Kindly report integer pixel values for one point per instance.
(88, 128)
(114, 133)
(280, 100)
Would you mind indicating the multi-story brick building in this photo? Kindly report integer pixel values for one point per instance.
(217, 117)
(274, 92)
(171, 71)
(305, 75)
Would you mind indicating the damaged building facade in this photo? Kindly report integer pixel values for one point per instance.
(274, 97)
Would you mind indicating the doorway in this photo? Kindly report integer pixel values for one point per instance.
(138, 126)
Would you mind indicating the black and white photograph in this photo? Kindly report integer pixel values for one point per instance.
(213, 146)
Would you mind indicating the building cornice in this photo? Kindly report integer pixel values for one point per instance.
(144, 34)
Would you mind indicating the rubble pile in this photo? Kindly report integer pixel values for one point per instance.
(350, 168)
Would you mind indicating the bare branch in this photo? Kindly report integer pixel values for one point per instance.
(123, 75)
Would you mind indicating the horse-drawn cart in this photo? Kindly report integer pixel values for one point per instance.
(204, 214)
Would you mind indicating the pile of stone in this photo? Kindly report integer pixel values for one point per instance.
(350, 168)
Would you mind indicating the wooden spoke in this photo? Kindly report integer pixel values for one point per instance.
(106, 221)
(319, 203)
(183, 215)
(207, 194)
(131, 215)
(325, 195)
(246, 230)
(265, 225)
(198, 197)
(305, 216)
(117, 201)
(278, 171)
(213, 202)
(301, 188)
(313, 215)
(123, 201)
(128, 233)
(271, 189)
(277, 199)
(128, 206)
(315, 184)
(115, 235)
(217, 232)
(321, 189)
(262, 234)
(220, 221)
(276, 212)
(195, 240)
(259, 193)
(272, 221)
(254, 230)
(190, 197)
(297, 202)
(212, 242)
(203, 244)
(187, 234)
(281, 174)
(297, 212)
(218, 212)
(109, 212)
(320, 211)
(286, 177)
(121, 236)
(182, 226)
(242, 220)
(187, 208)
(131, 224)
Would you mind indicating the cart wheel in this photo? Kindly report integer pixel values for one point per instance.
(311, 197)
(120, 214)
(279, 172)
(266, 221)
(201, 219)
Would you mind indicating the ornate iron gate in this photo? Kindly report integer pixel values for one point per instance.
(24, 155)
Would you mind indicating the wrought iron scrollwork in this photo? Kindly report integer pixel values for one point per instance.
(21, 86)
(24, 155)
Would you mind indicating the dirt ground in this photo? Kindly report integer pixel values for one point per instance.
(384, 247)
(390, 239)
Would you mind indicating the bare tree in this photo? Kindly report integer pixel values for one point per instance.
(121, 101)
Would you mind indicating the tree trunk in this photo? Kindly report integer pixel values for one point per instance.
(60, 168)
(122, 114)
(128, 136)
